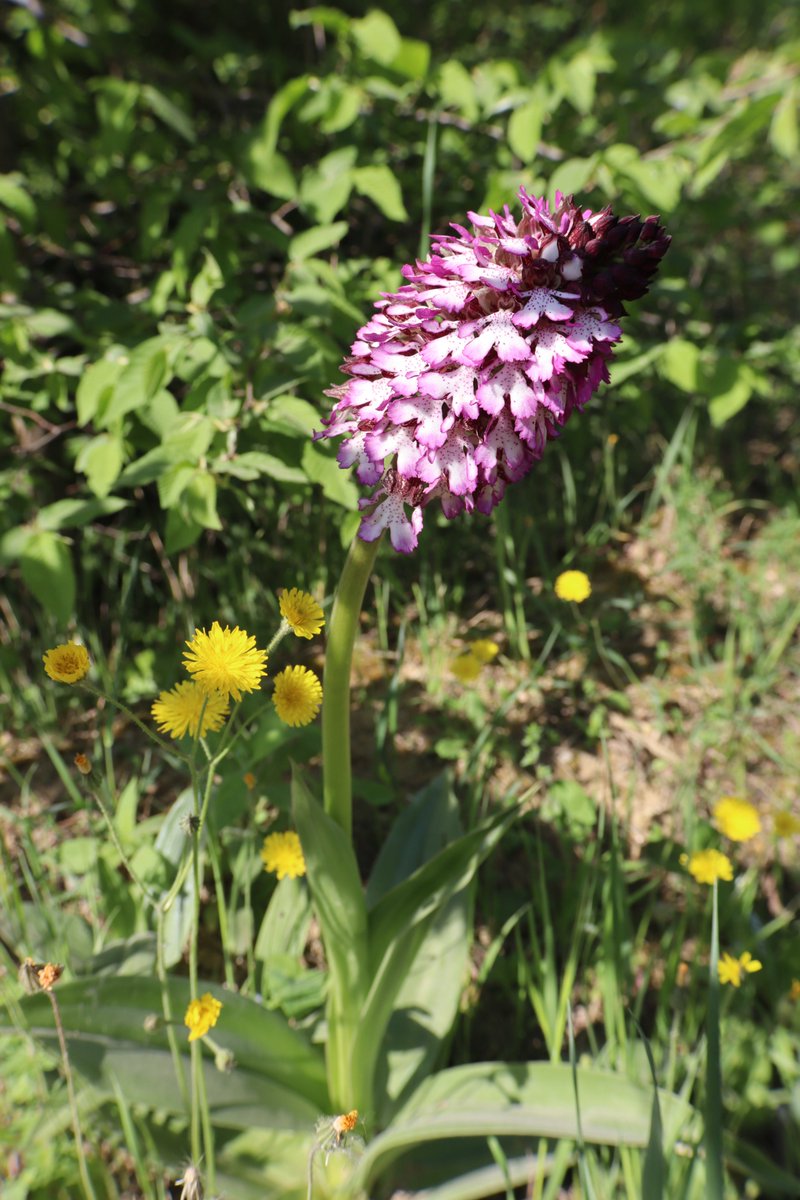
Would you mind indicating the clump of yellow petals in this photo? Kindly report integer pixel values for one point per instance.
(297, 695)
(189, 707)
(225, 660)
(484, 649)
(467, 666)
(785, 824)
(301, 612)
(737, 819)
(733, 970)
(573, 585)
(67, 663)
(202, 1015)
(708, 865)
(282, 855)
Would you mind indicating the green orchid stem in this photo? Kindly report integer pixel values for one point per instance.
(342, 630)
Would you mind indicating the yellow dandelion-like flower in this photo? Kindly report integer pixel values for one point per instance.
(708, 865)
(178, 711)
(466, 667)
(301, 612)
(484, 650)
(737, 819)
(201, 1015)
(67, 663)
(733, 970)
(249, 780)
(282, 855)
(225, 660)
(297, 695)
(573, 585)
(794, 990)
(785, 824)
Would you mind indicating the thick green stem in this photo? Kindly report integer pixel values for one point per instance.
(342, 630)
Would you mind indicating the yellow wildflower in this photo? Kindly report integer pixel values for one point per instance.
(708, 865)
(225, 660)
(484, 649)
(67, 663)
(737, 819)
(201, 1015)
(573, 585)
(249, 780)
(733, 970)
(466, 667)
(794, 990)
(178, 711)
(297, 695)
(301, 612)
(282, 855)
(786, 824)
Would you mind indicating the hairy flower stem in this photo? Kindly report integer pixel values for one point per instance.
(715, 1174)
(342, 630)
(73, 1101)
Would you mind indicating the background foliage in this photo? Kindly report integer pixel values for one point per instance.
(199, 205)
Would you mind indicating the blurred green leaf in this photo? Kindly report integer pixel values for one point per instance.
(381, 186)
(46, 567)
(312, 241)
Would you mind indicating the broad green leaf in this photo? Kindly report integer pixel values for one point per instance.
(335, 885)
(143, 376)
(325, 187)
(783, 131)
(100, 459)
(680, 364)
(280, 104)
(209, 280)
(284, 929)
(72, 514)
(46, 567)
(457, 89)
(377, 37)
(181, 531)
(291, 415)
(312, 241)
(127, 805)
(173, 482)
(428, 824)
(337, 485)
(525, 128)
(270, 171)
(427, 1001)
(380, 185)
(255, 463)
(400, 922)
(173, 844)
(419, 895)
(189, 437)
(731, 386)
(278, 1081)
(17, 199)
(573, 175)
(521, 1100)
(412, 59)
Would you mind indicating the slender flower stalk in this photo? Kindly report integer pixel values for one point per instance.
(342, 630)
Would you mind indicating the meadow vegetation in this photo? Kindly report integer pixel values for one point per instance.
(557, 953)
